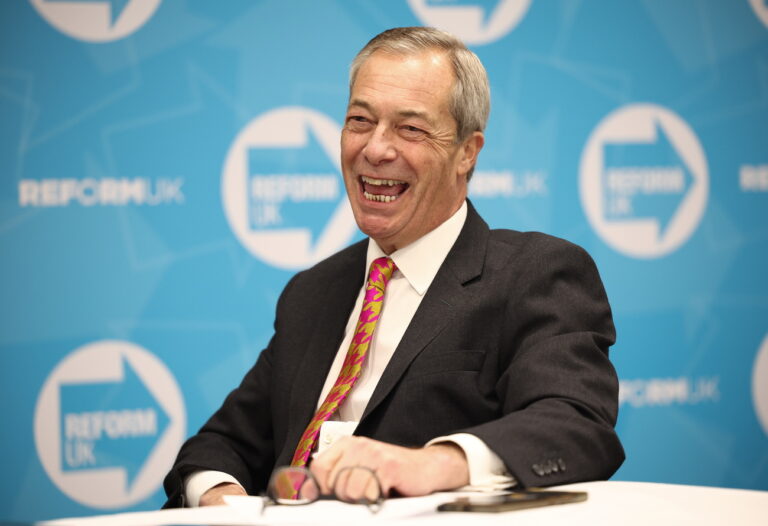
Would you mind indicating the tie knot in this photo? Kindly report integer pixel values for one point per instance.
(381, 271)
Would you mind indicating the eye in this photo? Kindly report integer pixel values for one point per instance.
(358, 123)
(412, 132)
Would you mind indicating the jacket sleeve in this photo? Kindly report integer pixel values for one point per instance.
(557, 389)
(239, 438)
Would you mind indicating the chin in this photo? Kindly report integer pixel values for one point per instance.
(375, 227)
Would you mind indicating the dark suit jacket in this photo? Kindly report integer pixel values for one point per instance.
(510, 343)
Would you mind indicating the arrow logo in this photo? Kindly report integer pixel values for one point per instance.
(116, 7)
(291, 187)
(643, 180)
(487, 7)
(107, 425)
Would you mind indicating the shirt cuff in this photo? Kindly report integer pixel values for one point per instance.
(201, 481)
(486, 469)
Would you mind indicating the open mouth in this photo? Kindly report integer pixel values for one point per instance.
(382, 190)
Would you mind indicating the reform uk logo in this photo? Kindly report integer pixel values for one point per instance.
(644, 180)
(282, 189)
(109, 421)
(96, 20)
(106, 191)
(474, 21)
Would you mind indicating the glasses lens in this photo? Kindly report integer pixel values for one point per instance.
(293, 486)
(358, 485)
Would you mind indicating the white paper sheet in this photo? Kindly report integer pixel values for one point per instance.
(329, 511)
(213, 516)
(247, 511)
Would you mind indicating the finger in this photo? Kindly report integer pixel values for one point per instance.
(292, 485)
(386, 469)
(347, 452)
(215, 495)
(372, 489)
(351, 451)
(322, 466)
(357, 484)
(341, 485)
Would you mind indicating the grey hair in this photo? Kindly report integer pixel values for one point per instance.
(470, 101)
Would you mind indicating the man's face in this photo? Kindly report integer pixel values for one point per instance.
(403, 170)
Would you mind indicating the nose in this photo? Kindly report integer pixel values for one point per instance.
(380, 147)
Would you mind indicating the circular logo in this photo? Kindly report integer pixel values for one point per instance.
(108, 424)
(761, 10)
(474, 21)
(760, 385)
(96, 20)
(643, 180)
(282, 189)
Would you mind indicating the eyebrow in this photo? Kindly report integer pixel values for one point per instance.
(403, 113)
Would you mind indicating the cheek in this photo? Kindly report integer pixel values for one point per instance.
(349, 146)
(431, 172)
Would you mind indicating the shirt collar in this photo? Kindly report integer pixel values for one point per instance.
(420, 261)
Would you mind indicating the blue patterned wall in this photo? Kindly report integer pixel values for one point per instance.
(168, 165)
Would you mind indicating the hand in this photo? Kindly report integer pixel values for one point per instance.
(409, 472)
(215, 495)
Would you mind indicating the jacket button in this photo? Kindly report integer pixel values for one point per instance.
(538, 470)
(561, 463)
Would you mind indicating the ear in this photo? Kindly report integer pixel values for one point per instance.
(470, 149)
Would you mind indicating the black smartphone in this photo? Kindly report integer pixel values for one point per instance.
(518, 500)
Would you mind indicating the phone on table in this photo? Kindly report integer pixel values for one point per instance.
(518, 500)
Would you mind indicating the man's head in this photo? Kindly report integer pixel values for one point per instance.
(470, 98)
(418, 104)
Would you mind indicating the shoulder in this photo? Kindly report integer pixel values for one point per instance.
(514, 254)
(505, 243)
(535, 248)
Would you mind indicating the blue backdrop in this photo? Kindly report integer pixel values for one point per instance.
(168, 165)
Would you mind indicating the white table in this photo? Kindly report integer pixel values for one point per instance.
(609, 503)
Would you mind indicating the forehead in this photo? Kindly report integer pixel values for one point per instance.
(422, 80)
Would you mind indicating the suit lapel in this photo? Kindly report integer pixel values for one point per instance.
(343, 285)
(463, 264)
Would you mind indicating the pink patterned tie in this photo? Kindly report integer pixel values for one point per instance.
(381, 271)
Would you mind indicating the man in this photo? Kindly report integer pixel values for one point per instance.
(489, 360)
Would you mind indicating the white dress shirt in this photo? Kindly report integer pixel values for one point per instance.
(417, 266)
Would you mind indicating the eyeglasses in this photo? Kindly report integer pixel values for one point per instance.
(294, 486)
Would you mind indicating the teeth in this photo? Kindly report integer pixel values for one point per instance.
(380, 198)
(380, 182)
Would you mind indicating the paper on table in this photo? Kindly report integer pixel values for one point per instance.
(247, 511)
(328, 511)
(212, 515)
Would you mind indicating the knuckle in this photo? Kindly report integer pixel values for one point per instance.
(319, 466)
(390, 465)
